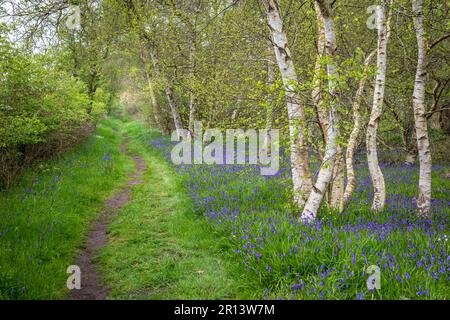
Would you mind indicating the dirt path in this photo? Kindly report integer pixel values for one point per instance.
(92, 286)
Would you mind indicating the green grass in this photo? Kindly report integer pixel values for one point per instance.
(165, 247)
(44, 219)
(329, 259)
(159, 248)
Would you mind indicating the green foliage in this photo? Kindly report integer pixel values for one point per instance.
(20, 81)
(100, 104)
(36, 99)
(41, 107)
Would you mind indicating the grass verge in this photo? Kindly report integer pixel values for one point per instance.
(44, 218)
(159, 248)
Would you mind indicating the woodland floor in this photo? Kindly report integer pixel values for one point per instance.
(147, 244)
(119, 210)
(93, 287)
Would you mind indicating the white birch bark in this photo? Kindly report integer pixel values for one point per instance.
(326, 170)
(423, 143)
(269, 112)
(353, 139)
(192, 109)
(377, 109)
(175, 113)
(169, 95)
(155, 107)
(154, 104)
(301, 177)
(337, 180)
(336, 191)
(316, 92)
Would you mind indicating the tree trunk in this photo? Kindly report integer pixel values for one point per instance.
(192, 111)
(326, 170)
(336, 191)
(423, 143)
(411, 156)
(192, 108)
(337, 180)
(269, 111)
(155, 106)
(434, 115)
(301, 177)
(377, 109)
(316, 91)
(410, 143)
(352, 141)
(434, 120)
(169, 94)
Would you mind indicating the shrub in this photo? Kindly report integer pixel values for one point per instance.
(99, 104)
(43, 110)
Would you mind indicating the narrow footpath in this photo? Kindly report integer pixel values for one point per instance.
(92, 286)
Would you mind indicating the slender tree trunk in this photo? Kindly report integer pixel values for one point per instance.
(423, 143)
(352, 141)
(435, 121)
(191, 25)
(338, 179)
(155, 106)
(316, 92)
(434, 115)
(168, 90)
(156, 110)
(410, 140)
(411, 156)
(175, 114)
(336, 190)
(326, 170)
(192, 109)
(377, 109)
(234, 114)
(301, 177)
(169, 94)
(269, 111)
